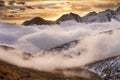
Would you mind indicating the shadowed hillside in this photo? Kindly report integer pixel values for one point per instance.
(12, 72)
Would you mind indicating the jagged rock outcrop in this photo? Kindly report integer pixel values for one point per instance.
(108, 69)
(103, 16)
(70, 16)
(90, 17)
(109, 13)
(37, 21)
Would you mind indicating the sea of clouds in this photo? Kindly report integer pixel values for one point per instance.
(38, 38)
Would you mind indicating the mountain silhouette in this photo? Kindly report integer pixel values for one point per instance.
(103, 16)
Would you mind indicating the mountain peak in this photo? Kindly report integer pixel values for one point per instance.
(37, 21)
(91, 14)
(108, 12)
(73, 14)
(103, 16)
(70, 16)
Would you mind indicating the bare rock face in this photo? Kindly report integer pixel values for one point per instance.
(70, 16)
(90, 17)
(109, 13)
(37, 21)
(103, 16)
(109, 69)
(65, 17)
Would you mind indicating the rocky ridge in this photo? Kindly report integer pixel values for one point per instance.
(103, 16)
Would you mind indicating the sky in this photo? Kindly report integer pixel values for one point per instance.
(82, 7)
(78, 6)
(53, 9)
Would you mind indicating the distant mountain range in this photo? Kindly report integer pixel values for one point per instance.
(104, 16)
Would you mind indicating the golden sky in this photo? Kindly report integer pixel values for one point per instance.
(53, 9)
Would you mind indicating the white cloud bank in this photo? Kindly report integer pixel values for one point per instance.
(93, 46)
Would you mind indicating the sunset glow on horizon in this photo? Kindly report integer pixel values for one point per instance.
(53, 9)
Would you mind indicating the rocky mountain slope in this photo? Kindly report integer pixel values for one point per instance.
(109, 69)
(70, 16)
(103, 16)
(12, 72)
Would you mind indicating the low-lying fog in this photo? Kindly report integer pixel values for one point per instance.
(35, 39)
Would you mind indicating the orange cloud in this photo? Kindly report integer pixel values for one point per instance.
(52, 9)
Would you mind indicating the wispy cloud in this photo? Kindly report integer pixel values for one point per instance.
(52, 9)
(79, 6)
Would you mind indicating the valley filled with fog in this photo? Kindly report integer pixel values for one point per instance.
(96, 41)
(59, 40)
